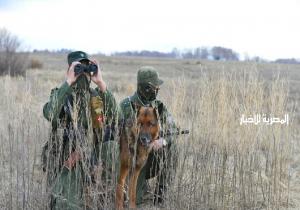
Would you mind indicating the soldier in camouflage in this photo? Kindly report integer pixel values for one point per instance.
(82, 127)
(161, 162)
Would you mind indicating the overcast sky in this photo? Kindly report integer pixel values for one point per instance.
(266, 28)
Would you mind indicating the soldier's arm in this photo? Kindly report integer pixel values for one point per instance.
(110, 105)
(111, 113)
(53, 107)
(126, 111)
(123, 114)
(168, 123)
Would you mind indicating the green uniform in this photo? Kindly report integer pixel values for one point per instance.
(69, 112)
(162, 162)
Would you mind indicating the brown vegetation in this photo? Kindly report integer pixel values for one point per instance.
(12, 62)
(222, 164)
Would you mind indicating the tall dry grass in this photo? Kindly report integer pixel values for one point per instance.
(225, 165)
(222, 164)
(22, 133)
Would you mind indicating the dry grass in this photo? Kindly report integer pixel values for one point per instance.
(222, 164)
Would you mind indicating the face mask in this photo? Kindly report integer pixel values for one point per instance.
(147, 92)
(82, 83)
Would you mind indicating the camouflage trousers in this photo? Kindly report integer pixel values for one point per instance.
(160, 164)
(78, 189)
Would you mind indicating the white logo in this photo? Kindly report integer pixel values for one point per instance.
(258, 118)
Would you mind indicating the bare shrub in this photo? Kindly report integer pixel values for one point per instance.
(12, 62)
(35, 64)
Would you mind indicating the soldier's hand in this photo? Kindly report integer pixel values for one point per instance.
(158, 144)
(97, 78)
(71, 78)
(73, 158)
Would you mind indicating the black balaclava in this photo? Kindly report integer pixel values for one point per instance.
(147, 92)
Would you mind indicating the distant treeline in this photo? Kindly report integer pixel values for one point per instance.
(288, 61)
(213, 53)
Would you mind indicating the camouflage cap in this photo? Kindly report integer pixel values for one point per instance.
(77, 56)
(148, 74)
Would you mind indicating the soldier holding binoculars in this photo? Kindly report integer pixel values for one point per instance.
(82, 127)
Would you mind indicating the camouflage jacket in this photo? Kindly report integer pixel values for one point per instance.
(53, 110)
(167, 123)
(60, 144)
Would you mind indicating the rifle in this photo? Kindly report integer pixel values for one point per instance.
(174, 133)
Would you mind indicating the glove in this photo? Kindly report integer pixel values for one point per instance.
(158, 144)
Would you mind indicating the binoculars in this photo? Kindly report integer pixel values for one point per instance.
(80, 68)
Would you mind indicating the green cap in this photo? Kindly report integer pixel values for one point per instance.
(148, 74)
(77, 56)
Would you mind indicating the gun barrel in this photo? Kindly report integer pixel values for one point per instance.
(185, 132)
(177, 133)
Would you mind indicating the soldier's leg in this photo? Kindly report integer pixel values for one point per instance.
(110, 160)
(167, 163)
(161, 164)
(107, 179)
(148, 171)
(154, 167)
(141, 186)
(68, 190)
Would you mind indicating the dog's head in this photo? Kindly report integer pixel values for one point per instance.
(147, 124)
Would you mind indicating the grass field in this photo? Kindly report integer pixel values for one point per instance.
(222, 164)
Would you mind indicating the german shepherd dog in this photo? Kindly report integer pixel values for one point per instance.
(135, 140)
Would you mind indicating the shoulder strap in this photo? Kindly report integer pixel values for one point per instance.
(133, 105)
(160, 107)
